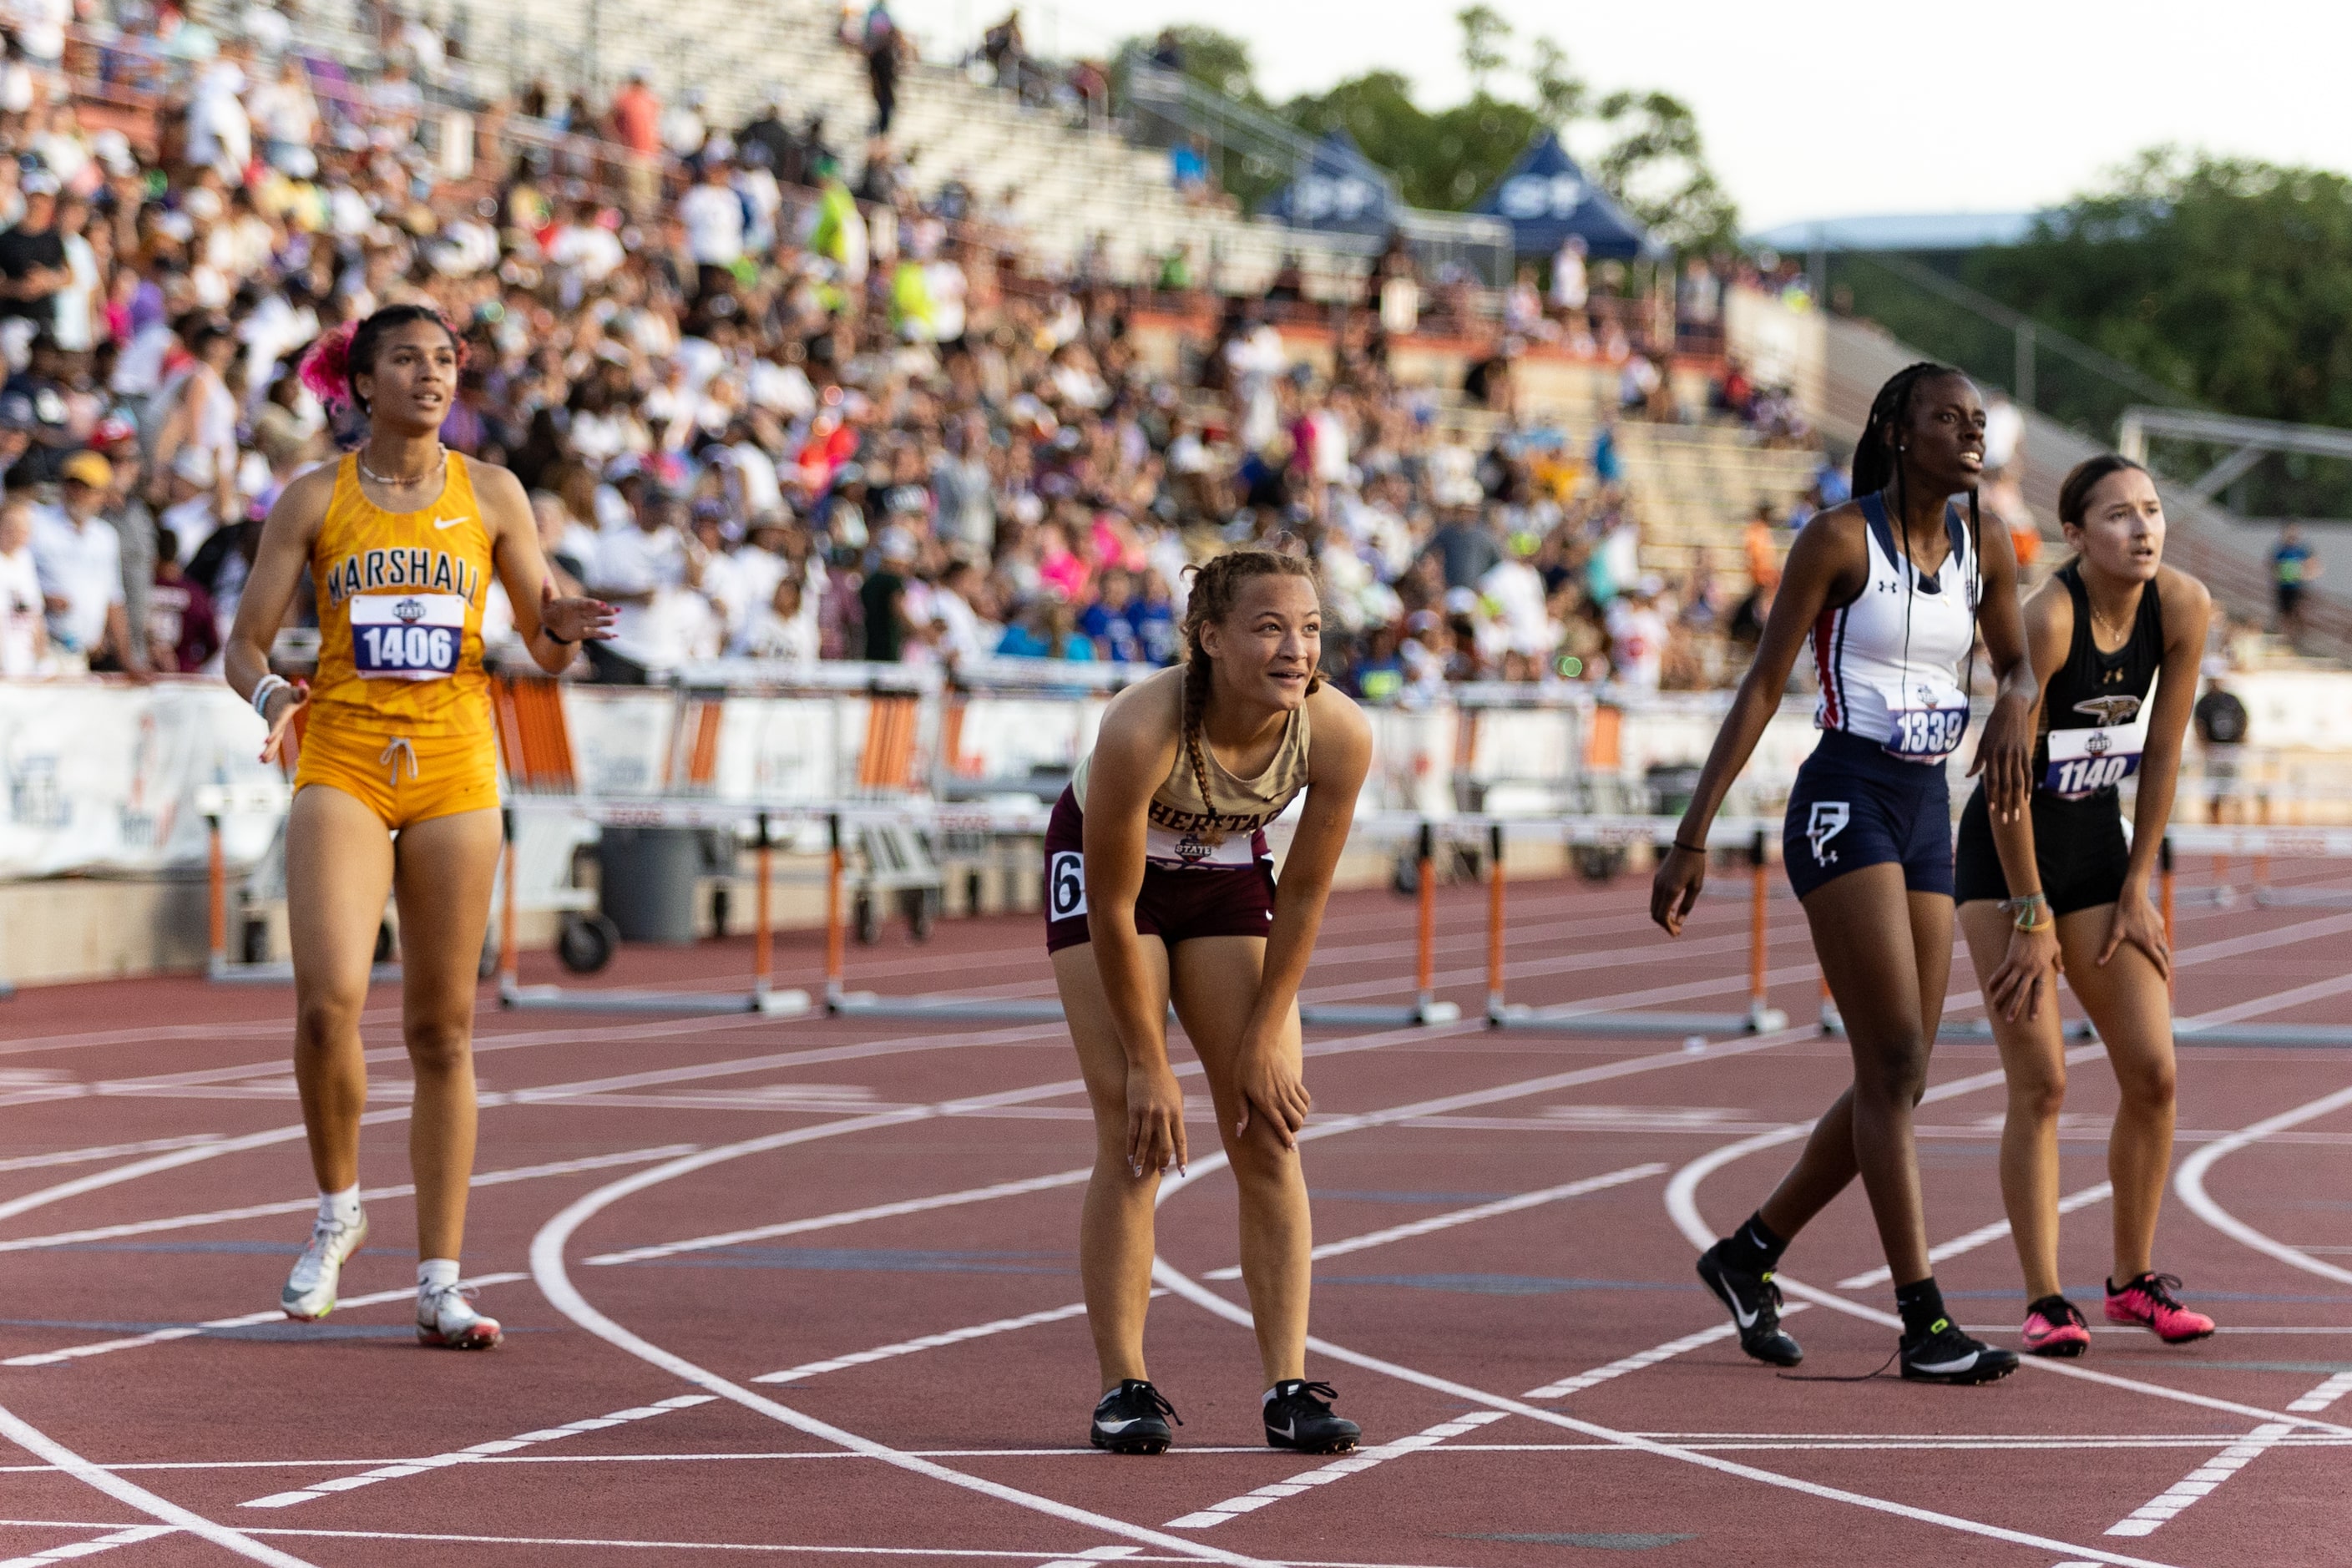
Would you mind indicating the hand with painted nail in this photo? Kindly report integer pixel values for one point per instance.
(1155, 1121)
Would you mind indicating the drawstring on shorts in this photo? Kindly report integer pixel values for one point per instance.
(394, 751)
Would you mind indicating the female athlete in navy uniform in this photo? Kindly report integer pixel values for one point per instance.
(1893, 588)
(1158, 889)
(2060, 883)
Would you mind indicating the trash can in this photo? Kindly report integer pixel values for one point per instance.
(646, 886)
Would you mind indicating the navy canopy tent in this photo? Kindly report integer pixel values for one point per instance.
(1546, 198)
(1338, 189)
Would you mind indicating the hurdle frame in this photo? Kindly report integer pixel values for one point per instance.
(1573, 1018)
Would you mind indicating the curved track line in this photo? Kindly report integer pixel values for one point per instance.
(554, 1282)
(32, 1439)
(2189, 1182)
(1682, 1204)
(1174, 1281)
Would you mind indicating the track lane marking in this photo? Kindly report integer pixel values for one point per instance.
(130, 1537)
(1984, 1234)
(2189, 1181)
(474, 1451)
(1354, 1464)
(926, 1343)
(2178, 1499)
(849, 1217)
(33, 1440)
(1640, 1359)
(247, 1321)
(1466, 1217)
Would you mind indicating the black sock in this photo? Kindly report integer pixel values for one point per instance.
(1922, 1306)
(1754, 1247)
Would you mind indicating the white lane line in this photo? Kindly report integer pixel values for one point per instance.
(1177, 1282)
(1640, 1358)
(2189, 1182)
(1982, 1236)
(926, 1343)
(304, 1205)
(851, 1217)
(131, 1537)
(2177, 1498)
(1682, 1203)
(246, 1320)
(2316, 991)
(1355, 1464)
(477, 1450)
(1466, 1217)
(110, 1151)
(33, 1440)
(1094, 1554)
(170, 1161)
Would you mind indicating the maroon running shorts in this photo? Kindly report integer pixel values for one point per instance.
(1174, 903)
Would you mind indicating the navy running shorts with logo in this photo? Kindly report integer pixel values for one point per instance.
(1174, 904)
(1854, 806)
(2078, 846)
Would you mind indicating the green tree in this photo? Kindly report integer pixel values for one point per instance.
(1442, 160)
(1656, 165)
(1559, 91)
(1484, 33)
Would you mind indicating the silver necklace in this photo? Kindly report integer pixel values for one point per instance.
(368, 473)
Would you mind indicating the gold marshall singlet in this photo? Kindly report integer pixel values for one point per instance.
(400, 611)
(1178, 830)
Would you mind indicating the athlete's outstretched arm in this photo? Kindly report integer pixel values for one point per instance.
(269, 588)
(2005, 755)
(1340, 757)
(1827, 564)
(1133, 751)
(2186, 608)
(2015, 988)
(551, 627)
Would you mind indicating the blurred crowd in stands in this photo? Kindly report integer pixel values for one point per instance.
(768, 414)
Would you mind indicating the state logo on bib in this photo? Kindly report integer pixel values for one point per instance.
(407, 637)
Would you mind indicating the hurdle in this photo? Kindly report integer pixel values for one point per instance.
(1572, 1018)
(217, 801)
(1425, 1009)
(761, 997)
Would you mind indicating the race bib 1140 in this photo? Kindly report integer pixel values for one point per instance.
(2085, 761)
(1927, 734)
(407, 637)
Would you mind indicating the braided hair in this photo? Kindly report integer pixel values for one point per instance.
(1878, 465)
(1216, 586)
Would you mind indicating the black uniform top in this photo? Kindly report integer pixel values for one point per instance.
(2097, 691)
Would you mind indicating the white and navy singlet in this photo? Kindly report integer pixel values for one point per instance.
(1888, 659)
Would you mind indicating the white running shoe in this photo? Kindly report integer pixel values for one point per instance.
(310, 1292)
(446, 1318)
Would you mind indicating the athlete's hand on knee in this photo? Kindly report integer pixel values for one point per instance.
(2136, 921)
(2005, 757)
(1675, 888)
(1155, 1121)
(283, 704)
(2015, 987)
(1270, 1085)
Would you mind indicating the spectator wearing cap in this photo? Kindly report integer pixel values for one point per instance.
(91, 487)
(79, 560)
(39, 392)
(33, 260)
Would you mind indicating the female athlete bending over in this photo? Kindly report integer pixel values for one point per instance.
(397, 784)
(2059, 882)
(1893, 589)
(1158, 887)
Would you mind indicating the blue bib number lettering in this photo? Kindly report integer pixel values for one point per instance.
(407, 637)
(1927, 734)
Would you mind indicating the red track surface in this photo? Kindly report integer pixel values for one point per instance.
(964, 1452)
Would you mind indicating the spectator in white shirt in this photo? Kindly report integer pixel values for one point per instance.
(713, 216)
(24, 632)
(78, 557)
(786, 627)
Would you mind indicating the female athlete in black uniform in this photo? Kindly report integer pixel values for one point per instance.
(2061, 883)
(1893, 591)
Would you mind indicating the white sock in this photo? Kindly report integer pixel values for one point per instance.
(436, 1274)
(340, 1209)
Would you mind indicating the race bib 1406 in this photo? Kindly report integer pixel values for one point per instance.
(407, 637)
(2085, 761)
(1927, 734)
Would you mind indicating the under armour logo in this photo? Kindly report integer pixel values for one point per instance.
(1827, 820)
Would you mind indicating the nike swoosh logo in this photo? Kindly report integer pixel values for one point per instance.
(1963, 1364)
(1289, 1432)
(440, 523)
(1103, 1425)
(1744, 1320)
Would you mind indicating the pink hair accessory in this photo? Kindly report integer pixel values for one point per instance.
(326, 370)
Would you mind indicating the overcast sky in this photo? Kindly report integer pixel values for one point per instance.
(1833, 108)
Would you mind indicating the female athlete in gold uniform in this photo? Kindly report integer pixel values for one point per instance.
(396, 786)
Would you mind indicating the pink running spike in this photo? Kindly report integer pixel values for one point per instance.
(2148, 1302)
(2055, 1333)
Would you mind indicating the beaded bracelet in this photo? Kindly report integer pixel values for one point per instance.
(2022, 912)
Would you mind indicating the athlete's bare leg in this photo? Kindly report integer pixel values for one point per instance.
(445, 866)
(2129, 1003)
(1215, 989)
(2033, 1059)
(1114, 1228)
(339, 870)
(1886, 954)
